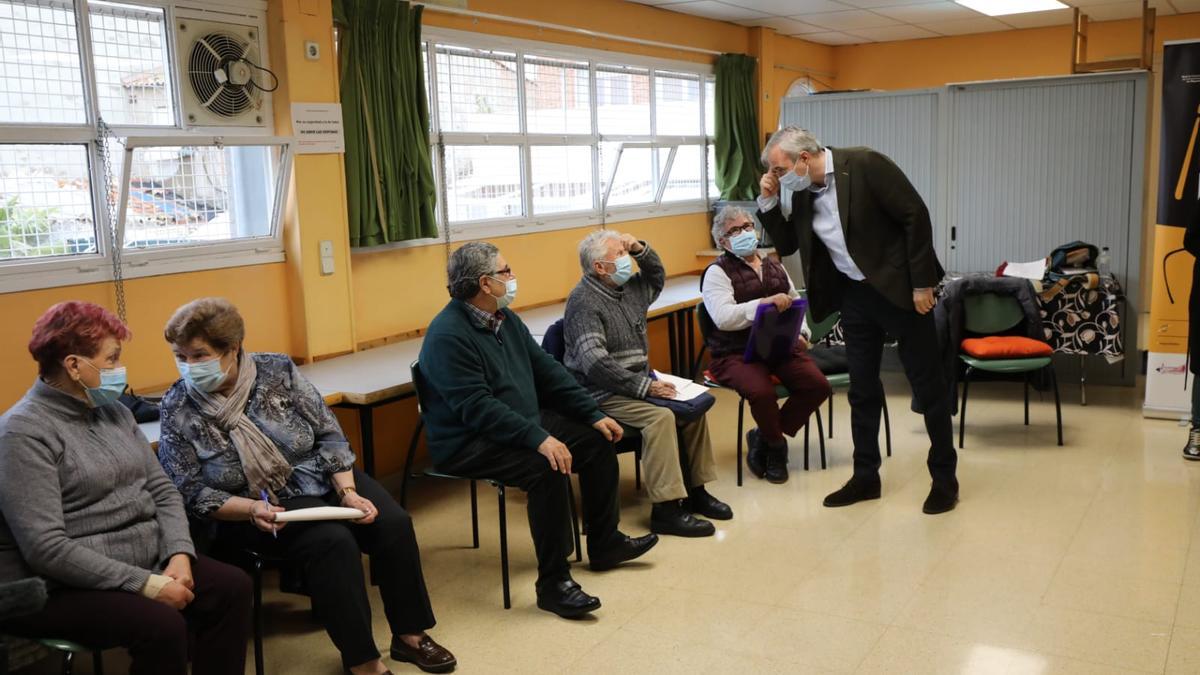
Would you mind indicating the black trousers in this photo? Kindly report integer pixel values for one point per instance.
(215, 625)
(330, 553)
(592, 457)
(867, 318)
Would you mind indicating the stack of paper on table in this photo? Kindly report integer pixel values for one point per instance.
(1026, 270)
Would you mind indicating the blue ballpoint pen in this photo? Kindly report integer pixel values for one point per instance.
(263, 493)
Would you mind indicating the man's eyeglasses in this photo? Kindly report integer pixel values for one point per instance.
(506, 272)
(744, 227)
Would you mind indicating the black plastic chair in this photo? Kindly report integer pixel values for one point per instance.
(418, 386)
(631, 439)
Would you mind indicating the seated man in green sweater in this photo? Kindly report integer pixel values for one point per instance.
(498, 407)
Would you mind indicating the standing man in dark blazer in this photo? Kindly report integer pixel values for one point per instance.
(867, 244)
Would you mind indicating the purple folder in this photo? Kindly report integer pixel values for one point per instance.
(774, 333)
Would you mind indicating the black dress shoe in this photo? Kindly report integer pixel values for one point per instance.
(756, 454)
(671, 518)
(566, 599)
(429, 656)
(855, 490)
(699, 501)
(777, 470)
(627, 548)
(940, 500)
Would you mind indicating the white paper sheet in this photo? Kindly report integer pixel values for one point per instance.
(1026, 270)
(685, 390)
(319, 513)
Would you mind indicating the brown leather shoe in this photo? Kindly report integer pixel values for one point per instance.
(429, 656)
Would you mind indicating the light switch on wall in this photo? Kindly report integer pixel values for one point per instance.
(326, 258)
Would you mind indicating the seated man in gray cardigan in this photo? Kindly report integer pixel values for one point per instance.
(605, 332)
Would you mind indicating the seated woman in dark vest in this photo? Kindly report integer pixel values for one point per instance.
(733, 287)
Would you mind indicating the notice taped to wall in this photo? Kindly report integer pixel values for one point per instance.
(317, 128)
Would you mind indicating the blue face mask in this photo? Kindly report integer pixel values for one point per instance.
(510, 294)
(205, 376)
(795, 182)
(112, 385)
(743, 244)
(624, 270)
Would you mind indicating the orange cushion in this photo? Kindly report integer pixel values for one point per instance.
(1005, 347)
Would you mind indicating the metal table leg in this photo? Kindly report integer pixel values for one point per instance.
(1082, 379)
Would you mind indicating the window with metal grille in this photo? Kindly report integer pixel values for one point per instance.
(41, 81)
(561, 178)
(45, 201)
(623, 100)
(677, 103)
(531, 132)
(557, 96)
(133, 74)
(82, 83)
(477, 89)
(186, 195)
(686, 180)
(483, 182)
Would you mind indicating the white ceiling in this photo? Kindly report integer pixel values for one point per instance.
(844, 22)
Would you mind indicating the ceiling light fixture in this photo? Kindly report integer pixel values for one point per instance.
(1004, 7)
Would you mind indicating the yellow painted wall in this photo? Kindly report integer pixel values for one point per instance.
(324, 320)
(398, 292)
(259, 291)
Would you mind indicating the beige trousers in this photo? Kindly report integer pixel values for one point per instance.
(660, 447)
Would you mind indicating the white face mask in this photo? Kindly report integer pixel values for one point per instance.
(795, 182)
(510, 294)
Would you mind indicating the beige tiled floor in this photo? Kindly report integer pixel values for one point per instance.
(1074, 560)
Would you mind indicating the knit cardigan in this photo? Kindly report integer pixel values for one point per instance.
(605, 330)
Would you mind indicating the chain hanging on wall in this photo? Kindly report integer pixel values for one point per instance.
(103, 137)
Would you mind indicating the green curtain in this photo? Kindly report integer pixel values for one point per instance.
(385, 115)
(737, 147)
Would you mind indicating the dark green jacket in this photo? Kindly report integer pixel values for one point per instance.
(479, 385)
(886, 225)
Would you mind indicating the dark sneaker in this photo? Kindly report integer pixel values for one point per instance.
(1192, 449)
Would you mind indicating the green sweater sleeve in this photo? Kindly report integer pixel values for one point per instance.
(556, 386)
(459, 379)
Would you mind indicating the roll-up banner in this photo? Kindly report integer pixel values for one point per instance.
(1168, 383)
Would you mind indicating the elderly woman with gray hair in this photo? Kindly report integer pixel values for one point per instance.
(245, 437)
(733, 288)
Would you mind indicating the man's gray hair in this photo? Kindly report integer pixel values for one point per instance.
(721, 220)
(594, 247)
(793, 141)
(475, 259)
